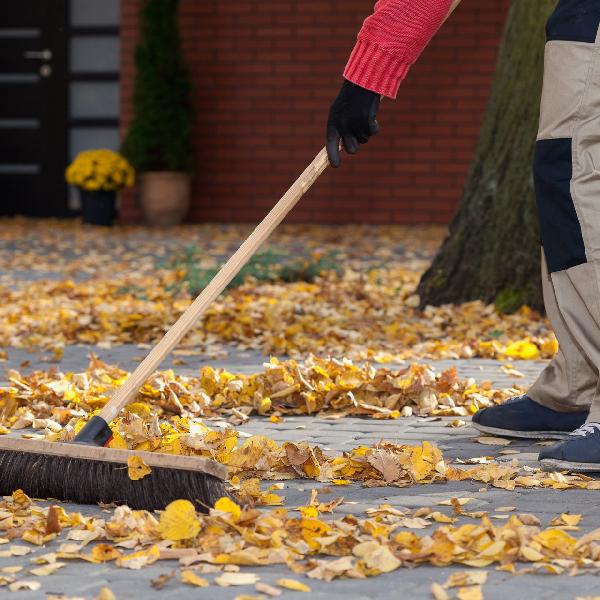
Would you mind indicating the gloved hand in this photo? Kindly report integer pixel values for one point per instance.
(353, 119)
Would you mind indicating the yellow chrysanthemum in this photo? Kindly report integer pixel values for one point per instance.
(104, 169)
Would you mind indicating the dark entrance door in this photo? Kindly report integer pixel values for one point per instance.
(33, 108)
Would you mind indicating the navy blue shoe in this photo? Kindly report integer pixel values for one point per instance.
(521, 417)
(579, 452)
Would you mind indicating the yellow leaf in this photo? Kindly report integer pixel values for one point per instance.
(228, 506)
(439, 593)
(470, 593)
(179, 521)
(137, 468)
(292, 584)
(104, 552)
(191, 578)
(105, 594)
(47, 569)
(523, 349)
(140, 559)
(441, 517)
(566, 519)
(310, 512)
(464, 578)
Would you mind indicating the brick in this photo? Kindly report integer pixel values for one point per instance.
(265, 73)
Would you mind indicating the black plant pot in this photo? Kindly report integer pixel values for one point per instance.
(98, 208)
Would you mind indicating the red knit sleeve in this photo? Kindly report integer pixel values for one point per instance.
(391, 40)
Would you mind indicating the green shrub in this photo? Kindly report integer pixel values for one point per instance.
(268, 265)
(160, 134)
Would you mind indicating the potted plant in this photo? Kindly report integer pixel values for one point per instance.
(159, 140)
(99, 175)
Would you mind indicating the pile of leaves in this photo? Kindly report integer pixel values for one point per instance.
(312, 542)
(172, 415)
(327, 387)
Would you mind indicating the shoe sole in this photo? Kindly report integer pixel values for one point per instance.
(531, 435)
(565, 465)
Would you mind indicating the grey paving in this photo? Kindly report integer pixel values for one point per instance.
(85, 580)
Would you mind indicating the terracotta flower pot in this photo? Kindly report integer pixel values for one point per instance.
(165, 197)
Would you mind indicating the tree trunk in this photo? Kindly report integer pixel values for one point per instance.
(492, 252)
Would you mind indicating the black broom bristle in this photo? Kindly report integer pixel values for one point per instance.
(85, 481)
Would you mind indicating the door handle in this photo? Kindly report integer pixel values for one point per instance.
(39, 54)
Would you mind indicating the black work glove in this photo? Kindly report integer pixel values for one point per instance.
(353, 119)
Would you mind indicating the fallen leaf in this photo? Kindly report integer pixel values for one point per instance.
(470, 593)
(191, 578)
(49, 569)
(179, 521)
(265, 588)
(439, 593)
(228, 579)
(466, 578)
(229, 507)
(159, 582)
(492, 440)
(137, 469)
(294, 585)
(30, 586)
(53, 520)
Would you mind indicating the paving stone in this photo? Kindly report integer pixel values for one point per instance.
(86, 580)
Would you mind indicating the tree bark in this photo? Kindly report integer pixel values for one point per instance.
(492, 252)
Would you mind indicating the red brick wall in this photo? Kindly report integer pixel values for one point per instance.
(265, 72)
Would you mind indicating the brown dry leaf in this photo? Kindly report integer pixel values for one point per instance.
(105, 594)
(137, 469)
(386, 463)
(159, 582)
(53, 520)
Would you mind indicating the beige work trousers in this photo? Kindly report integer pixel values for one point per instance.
(567, 181)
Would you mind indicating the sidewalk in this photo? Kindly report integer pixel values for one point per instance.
(79, 579)
(383, 266)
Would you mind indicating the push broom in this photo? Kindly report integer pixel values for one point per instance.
(87, 471)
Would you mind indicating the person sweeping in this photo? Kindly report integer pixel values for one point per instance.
(564, 403)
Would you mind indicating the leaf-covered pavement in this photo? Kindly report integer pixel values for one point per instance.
(445, 505)
(97, 287)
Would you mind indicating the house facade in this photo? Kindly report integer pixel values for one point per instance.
(264, 75)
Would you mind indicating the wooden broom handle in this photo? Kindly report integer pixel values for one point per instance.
(128, 391)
